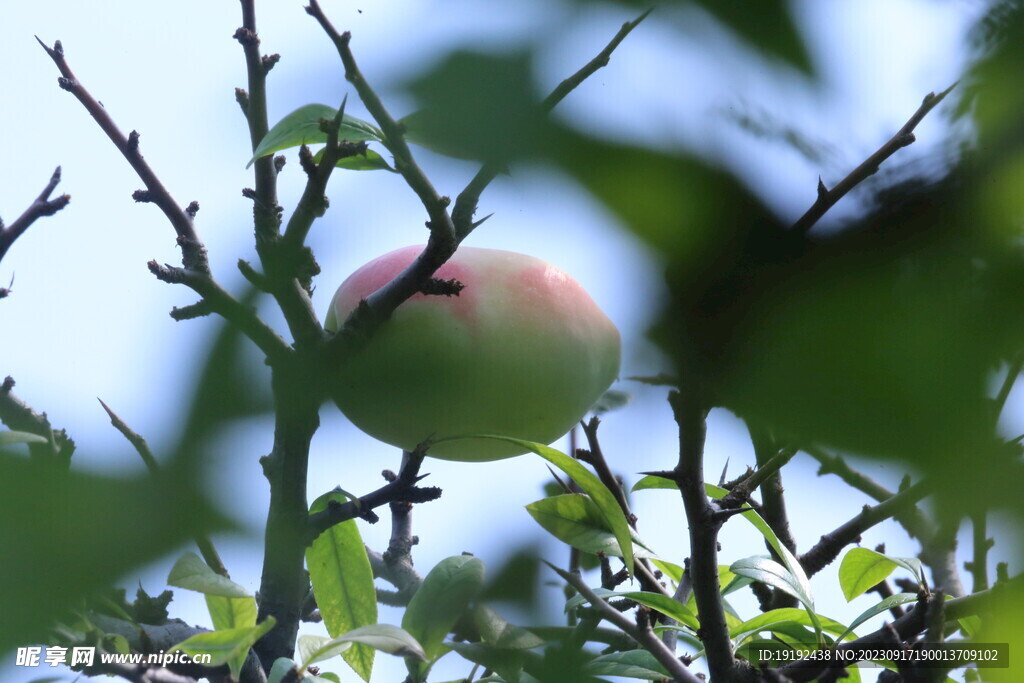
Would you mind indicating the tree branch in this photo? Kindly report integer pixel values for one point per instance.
(441, 229)
(284, 583)
(978, 566)
(266, 212)
(444, 235)
(644, 637)
(156, 638)
(401, 490)
(192, 250)
(196, 272)
(42, 206)
(904, 137)
(913, 623)
(912, 519)
(690, 414)
(227, 306)
(830, 545)
(595, 458)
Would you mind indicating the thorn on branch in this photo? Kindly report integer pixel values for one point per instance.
(480, 222)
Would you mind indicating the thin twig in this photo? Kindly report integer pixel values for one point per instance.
(192, 249)
(402, 489)
(206, 547)
(595, 458)
(905, 136)
(830, 545)
(196, 272)
(644, 637)
(226, 305)
(441, 228)
(42, 206)
(912, 519)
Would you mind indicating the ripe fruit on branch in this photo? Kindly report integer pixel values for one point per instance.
(521, 351)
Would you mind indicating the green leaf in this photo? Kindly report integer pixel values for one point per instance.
(656, 601)
(281, 667)
(384, 637)
(228, 613)
(302, 127)
(630, 664)
(368, 161)
(323, 677)
(652, 481)
(861, 569)
(190, 572)
(312, 649)
(226, 647)
(670, 569)
(575, 519)
(774, 574)
(590, 484)
(439, 602)
(8, 437)
(342, 580)
(882, 606)
(777, 619)
(770, 573)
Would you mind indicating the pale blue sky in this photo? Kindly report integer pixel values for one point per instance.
(86, 318)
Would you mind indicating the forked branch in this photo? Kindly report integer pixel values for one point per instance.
(42, 206)
(196, 271)
(905, 136)
(192, 249)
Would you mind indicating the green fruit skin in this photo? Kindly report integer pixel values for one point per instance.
(522, 351)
